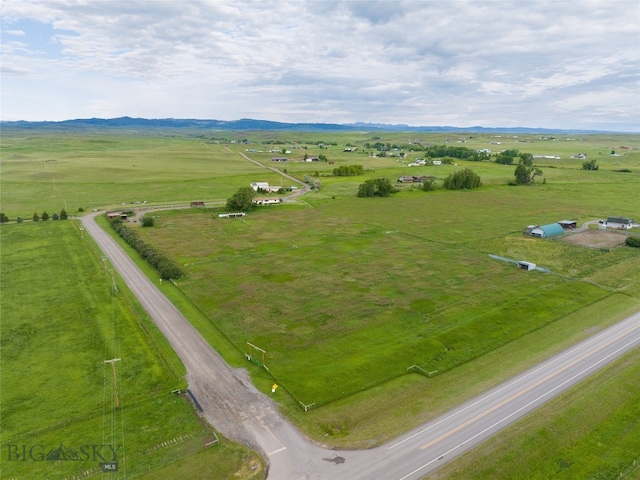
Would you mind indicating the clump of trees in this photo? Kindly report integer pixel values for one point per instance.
(525, 172)
(3, 218)
(464, 179)
(164, 266)
(348, 170)
(461, 153)
(241, 201)
(590, 165)
(507, 157)
(379, 187)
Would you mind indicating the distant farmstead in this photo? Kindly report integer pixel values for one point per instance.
(113, 215)
(413, 178)
(264, 186)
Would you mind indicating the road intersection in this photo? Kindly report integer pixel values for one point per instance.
(238, 410)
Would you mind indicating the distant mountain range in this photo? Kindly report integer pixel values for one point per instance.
(251, 124)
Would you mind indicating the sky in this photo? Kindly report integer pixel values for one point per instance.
(566, 64)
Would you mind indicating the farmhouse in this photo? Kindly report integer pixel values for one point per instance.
(264, 186)
(550, 230)
(619, 223)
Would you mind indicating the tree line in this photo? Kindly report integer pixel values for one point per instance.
(36, 218)
(164, 266)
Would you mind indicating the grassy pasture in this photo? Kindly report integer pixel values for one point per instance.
(345, 293)
(47, 172)
(62, 317)
(343, 304)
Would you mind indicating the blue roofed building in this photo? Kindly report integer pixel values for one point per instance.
(550, 230)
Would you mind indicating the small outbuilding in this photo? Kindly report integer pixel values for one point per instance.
(526, 265)
(568, 224)
(550, 230)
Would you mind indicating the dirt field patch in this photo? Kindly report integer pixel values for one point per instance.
(596, 239)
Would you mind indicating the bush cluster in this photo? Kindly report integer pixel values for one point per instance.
(462, 179)
(632, 242)
(348, 170)
(379, 187)
(157, 260)
(590, 165)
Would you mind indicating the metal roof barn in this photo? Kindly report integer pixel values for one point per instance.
(550, 230)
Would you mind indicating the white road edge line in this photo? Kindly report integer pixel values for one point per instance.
(533, 372)
(521, 408)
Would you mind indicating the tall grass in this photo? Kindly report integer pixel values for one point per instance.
(63, 316)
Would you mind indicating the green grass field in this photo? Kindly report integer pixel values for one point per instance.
(346, 293)
(63, 315)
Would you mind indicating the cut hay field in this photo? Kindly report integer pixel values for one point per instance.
(63, 316)
(346, 293)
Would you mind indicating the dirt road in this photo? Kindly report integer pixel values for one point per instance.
(230, 401)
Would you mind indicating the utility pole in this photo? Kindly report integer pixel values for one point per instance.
(115, 383)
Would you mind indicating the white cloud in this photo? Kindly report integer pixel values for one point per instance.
(413, 62)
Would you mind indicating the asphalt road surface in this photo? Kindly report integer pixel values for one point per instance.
(240, 412)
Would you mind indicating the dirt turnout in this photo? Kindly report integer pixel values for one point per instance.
(596, 239)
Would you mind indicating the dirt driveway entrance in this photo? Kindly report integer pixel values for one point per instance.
(596, 239)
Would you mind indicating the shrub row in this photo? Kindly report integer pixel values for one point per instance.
(164, 266)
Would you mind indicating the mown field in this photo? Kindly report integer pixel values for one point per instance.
(346, 293)
(63, 316)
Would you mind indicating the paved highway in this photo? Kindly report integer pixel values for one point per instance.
(236, 409)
